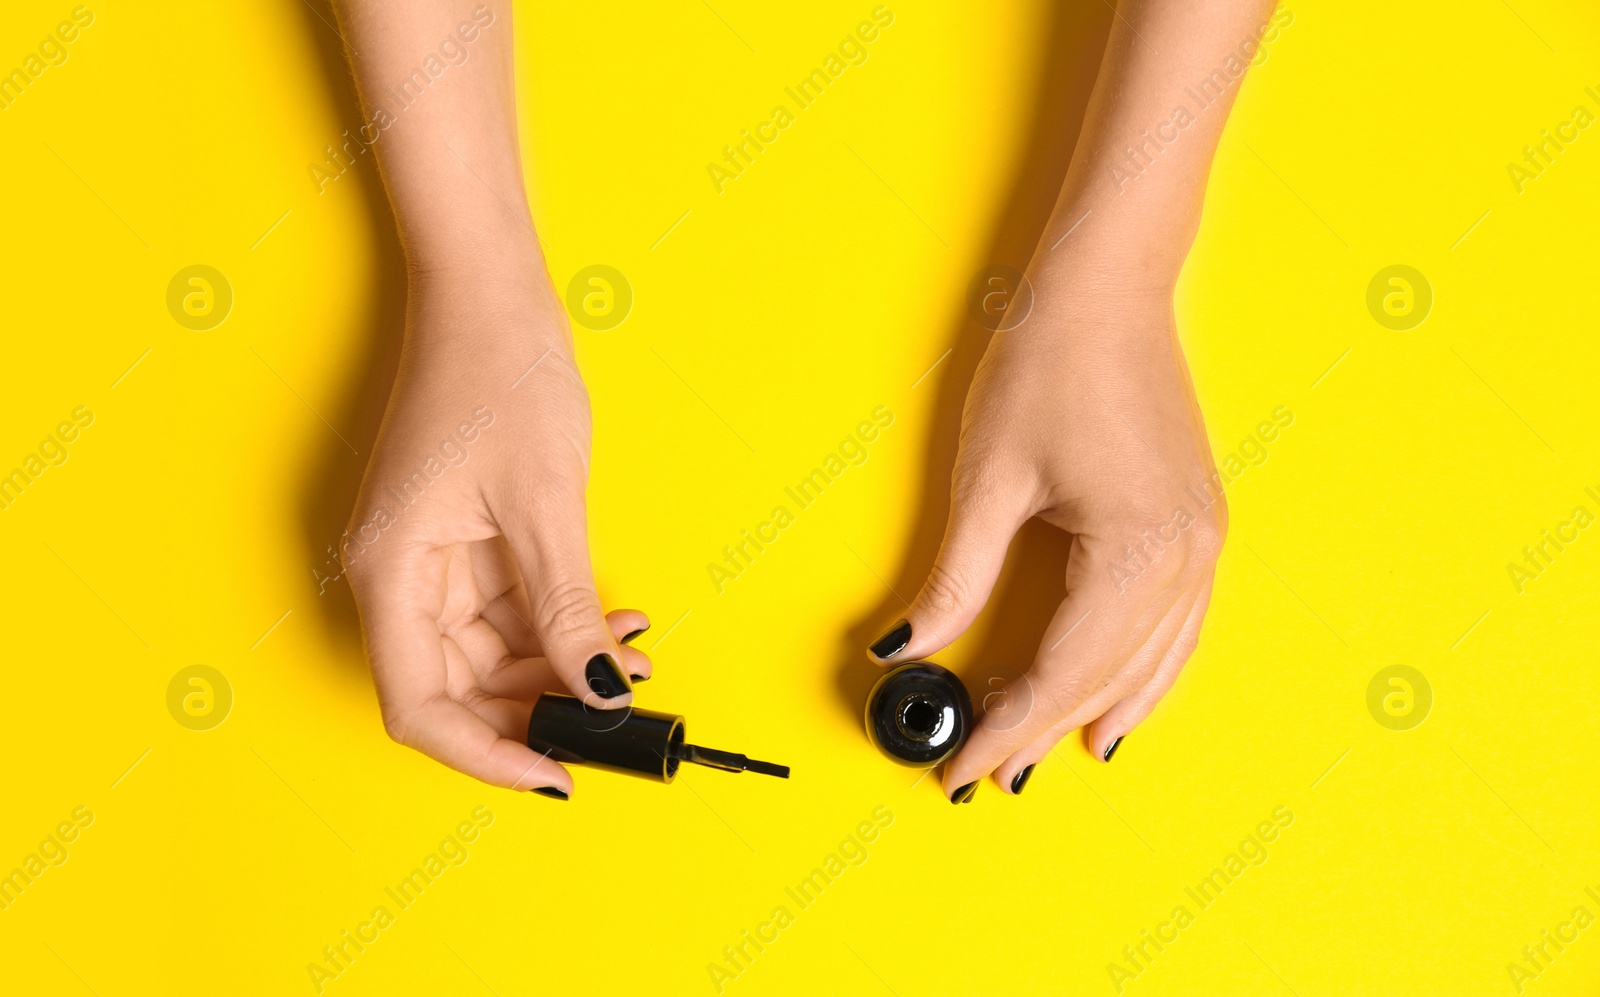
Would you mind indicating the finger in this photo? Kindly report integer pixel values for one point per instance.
(549, 538)
(636, 663)
(478, 673)
(492, 566)
(482, 650)
(964, 572)
(508, 717)
(1130, 677)
(501, 595)
(526, 679)
(1131, 710)
(401, 594)
(446, 730)
(509, 615)
(495, 669)
(1084, 642)
(1086, 626)
(627, 624)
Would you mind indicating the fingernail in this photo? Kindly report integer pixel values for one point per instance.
(965, 793)
(893, 641)
(1111, 750)
(1021, 780)
(605, 678)
(630, 637)
(640, 678)
(551, 791)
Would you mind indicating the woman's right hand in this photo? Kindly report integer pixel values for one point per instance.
(468, 549)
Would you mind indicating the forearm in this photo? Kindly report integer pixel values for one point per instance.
(439, 111)
(1136, 185)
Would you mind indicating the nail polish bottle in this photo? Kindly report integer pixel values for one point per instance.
(632, 741)
(919, 714)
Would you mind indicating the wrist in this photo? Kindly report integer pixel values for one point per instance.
(1124, 243)
(1108, 267)
(1109, 287)
(471, 288)
(470, 239)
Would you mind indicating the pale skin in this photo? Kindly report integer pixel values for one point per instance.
(480, 594)
(1085, 415)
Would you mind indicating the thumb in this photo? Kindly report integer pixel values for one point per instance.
(550, 542)
(963, 575)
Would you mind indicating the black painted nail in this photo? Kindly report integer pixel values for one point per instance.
(551, 791)
(1112, 749)
(893, 641)
(1021, 780)
(640, 678)
(629, 639)
(965, 793)
(605, 678)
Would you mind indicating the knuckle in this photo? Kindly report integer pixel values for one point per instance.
(1139, 674)
(360, 562)
(567, 610)
(353, 545)
(1219, 511)
(1149, 507)
(373, 536)
(494, 671)
(400, 725)
(1058, 695)
(1184, 649)
(985, 479)
(945, 592)
(1066, 692)
(1206, 539)
(1140, 555)
(1149, 582)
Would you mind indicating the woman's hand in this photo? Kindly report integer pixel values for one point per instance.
(1084, 416)
(468, 550)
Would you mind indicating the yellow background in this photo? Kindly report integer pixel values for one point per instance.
(825, 281)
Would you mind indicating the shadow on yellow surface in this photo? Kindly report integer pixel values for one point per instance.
(1031, 586)
(330, 479)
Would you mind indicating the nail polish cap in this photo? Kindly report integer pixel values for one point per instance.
(631, 740)
(919, 714)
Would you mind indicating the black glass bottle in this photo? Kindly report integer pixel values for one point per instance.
(919, 714)
(632, 741)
